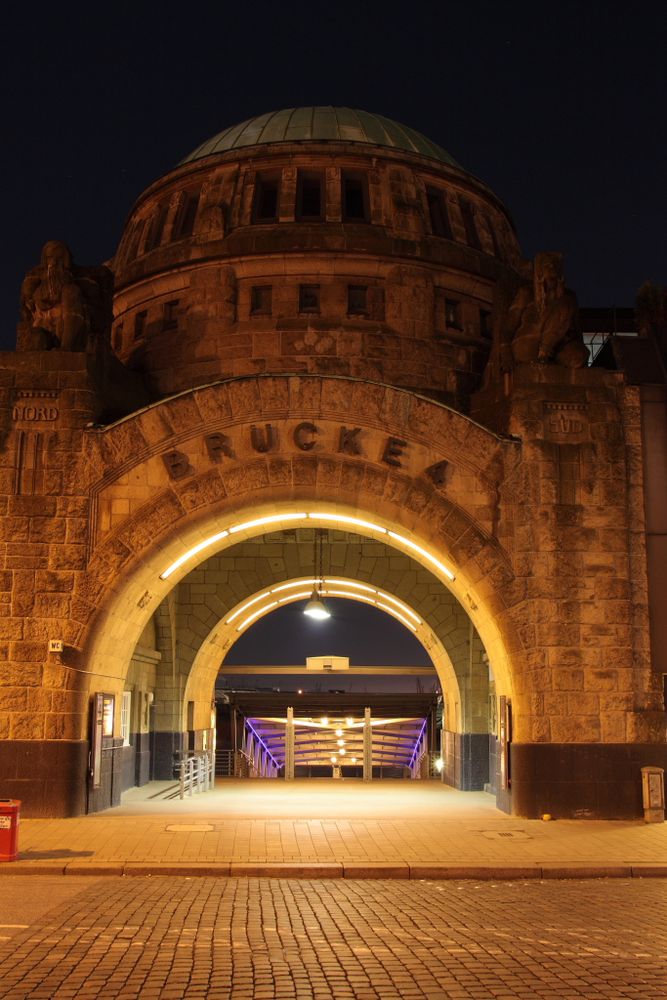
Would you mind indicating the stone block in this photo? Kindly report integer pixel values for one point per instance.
(601, 680)
(11, 628)
(497, 872)
(50, 581)
(47, 529)
(26, 726)
(613, 728)
(380, 869)
(64, 557)
(295, 869)
(575, 729)
(568, 680)
(583, 870)
(13, 699)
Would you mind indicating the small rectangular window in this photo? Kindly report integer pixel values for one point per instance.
(125, 710)
(260, 300)
(169, 316)
(140, 324)
(309, 196)
(484, 323)
(267, 192)
(354, 197)
(468, 214)
(453, 314)
(309, 298)
(118, 337)
(438, 214)
(357, 300)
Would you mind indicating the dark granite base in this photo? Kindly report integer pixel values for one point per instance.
(581, 780)
(48, 776)
(111, 777)
(166, 750)
(142, 758)
(466, 761)
(128, 764)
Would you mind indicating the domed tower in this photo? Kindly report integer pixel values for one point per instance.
(313, 240)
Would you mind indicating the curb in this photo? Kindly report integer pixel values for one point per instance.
(327, 870)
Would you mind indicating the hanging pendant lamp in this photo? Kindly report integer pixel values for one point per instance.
(316, 608)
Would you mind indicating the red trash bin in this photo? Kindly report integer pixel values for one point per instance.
(10, 810)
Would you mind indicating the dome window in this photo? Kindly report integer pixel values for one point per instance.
(267, 195)
(357, 300)
(468, 215)
(184, 223)
(447, 313)
(309, 298)
(260, 300)
(134, 241)
(169, 316)
(354, 197)
(156, 230)
(309, 196)
(140, 324)
(438, 214)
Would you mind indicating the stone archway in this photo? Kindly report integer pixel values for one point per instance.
(431, 504)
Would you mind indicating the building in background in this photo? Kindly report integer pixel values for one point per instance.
(318, 322)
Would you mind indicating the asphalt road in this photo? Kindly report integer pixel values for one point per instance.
(256, 939)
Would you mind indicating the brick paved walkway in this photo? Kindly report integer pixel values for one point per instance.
(349, 828)
(257, 939)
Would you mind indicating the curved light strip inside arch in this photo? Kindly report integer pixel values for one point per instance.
(298, 590)
(342, 519)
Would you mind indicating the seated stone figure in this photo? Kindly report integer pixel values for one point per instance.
(63, 306)
(540, 324)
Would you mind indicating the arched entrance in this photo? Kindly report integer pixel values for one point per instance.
(415, 519)
(184, 480)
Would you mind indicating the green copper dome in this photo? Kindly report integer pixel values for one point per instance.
(322, 124)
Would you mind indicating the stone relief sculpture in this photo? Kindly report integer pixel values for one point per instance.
(540, 323)
(64, 307)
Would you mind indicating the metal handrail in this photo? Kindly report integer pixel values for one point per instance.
(196, 773)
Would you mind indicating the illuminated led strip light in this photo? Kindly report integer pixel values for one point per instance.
(311, 515)
(256, 614)
(248, 604)
(422, 552)
(212, 539)
(324, 592)
(404, 610)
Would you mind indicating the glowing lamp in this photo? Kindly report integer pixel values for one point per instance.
(316, 608)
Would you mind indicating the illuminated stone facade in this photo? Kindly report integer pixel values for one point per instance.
(319, 313)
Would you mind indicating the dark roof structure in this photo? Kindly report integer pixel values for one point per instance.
(321, 124)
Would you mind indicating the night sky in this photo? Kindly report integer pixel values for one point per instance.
(559, 107)
(368, 636)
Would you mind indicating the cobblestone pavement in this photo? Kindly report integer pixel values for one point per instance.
(261, 939)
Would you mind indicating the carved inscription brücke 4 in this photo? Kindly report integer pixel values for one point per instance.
(304, 437)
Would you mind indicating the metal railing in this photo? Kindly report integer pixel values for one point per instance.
(224, 763)
(234, 764)
(196, 773)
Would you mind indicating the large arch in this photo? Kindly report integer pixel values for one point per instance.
(126, 615)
